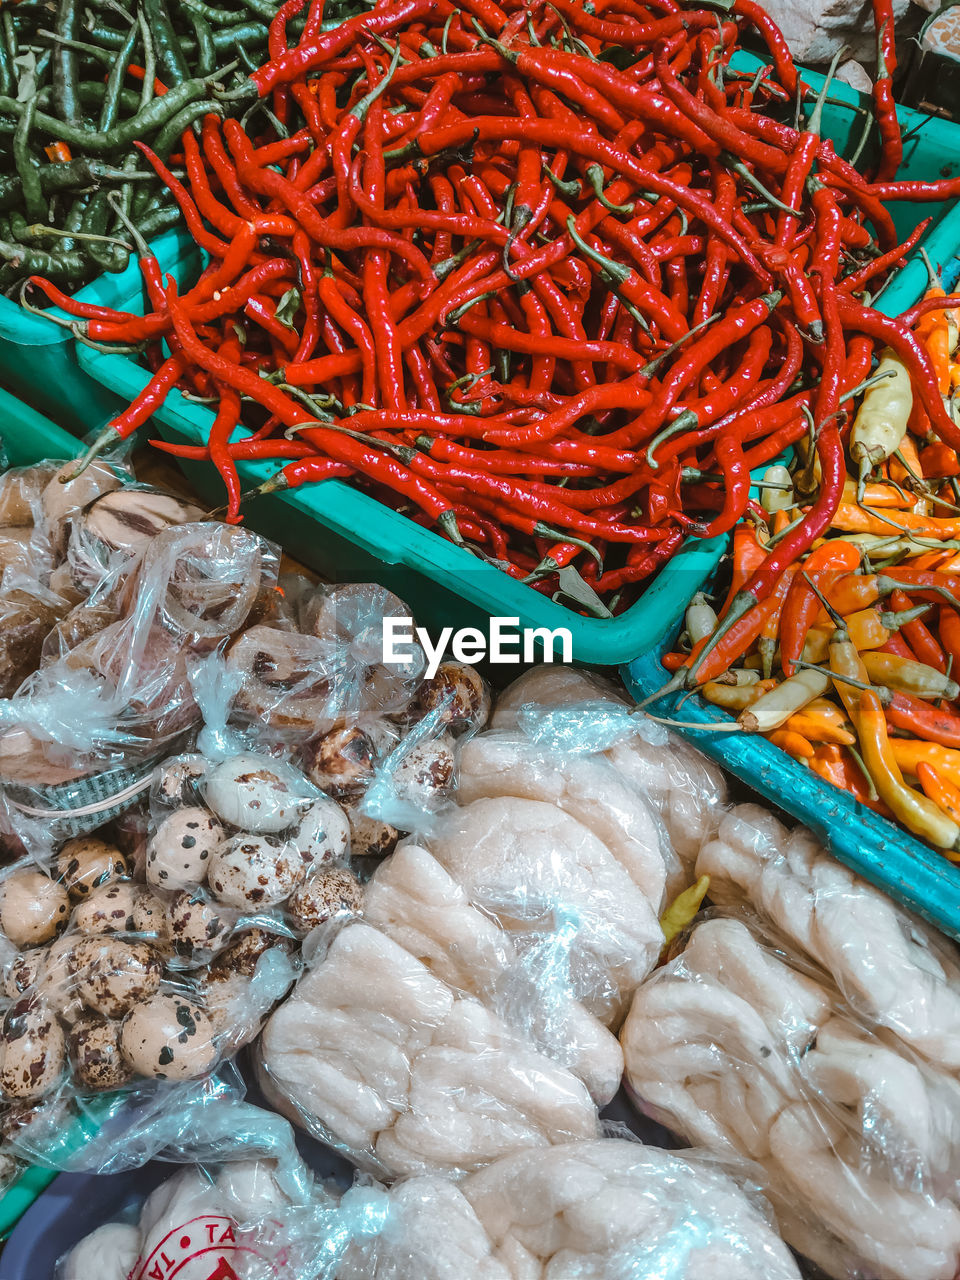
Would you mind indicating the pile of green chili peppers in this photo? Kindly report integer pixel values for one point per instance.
(80, 82)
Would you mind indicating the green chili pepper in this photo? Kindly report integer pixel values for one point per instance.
(26, 167)
(173, 65)
(66, 65)
(150, 118)
(111, 98)
(169, 135)
(206, 52)
(37, 262)
(249, 33)
(160, 219)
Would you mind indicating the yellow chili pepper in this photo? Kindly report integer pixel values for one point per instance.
(917, 813)
(881, 421)
(683, 909)
(909, 752)
(815, 729)
(908, 676)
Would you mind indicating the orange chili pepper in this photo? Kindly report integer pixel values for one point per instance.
(901, 471)
(138, 73)
(794, 744)
(837, 766)
(58, 152)
(943, 793)
(939, 460)
(826, 565)
(814, 729)
(780, 521)
(748, 556)
(933, 330)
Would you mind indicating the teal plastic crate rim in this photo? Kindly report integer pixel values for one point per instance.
(391, 540)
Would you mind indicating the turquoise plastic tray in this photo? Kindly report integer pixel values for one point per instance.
(346, 534)
(39, 365)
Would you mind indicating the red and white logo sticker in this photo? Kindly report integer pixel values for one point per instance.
(211, 1248)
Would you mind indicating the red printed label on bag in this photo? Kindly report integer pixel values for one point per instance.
(209, 1248)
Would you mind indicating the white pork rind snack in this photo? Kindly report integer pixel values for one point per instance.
(687, 790)
(377, 1055)
(896, 971)
(747, 1051)
(605, 1210)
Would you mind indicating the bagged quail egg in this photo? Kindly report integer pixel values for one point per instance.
(369, 837)
(150, 917)
(323, 896)
(180, 847)
(86, 863)
(341, 761)
(425, 771)
(108, 909)
(178, 781)
(323, 833)
(23, 972)
(95, 1054)
(32, 1051)
(198, 928)
(255, 793)
(249, 872)
(170, 1037)
(460, 693)
(112, 975)
(32, 907)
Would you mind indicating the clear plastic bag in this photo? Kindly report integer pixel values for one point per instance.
(246, 1207)
(571, 711)
(377, 1055)
(896, 971)
(602, 1210)
(747, 1048)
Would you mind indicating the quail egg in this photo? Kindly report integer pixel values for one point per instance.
(23, 971)
(170, 1037)
(112, 976)
(425, 771)
(249, 873)
(369, 837)
(240, 958)
(150, 917)
(95, 1053)
(178, 852)
(178, 781)
(108, 909)
(57, 983)
(32, 907)
(198, 928)
(323, 833)
(341, 761)
(324, 895)
(84, 864)
(254, 793)
(461, 694)
(32, 1051)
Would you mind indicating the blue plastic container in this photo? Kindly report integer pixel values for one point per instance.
(347, 535)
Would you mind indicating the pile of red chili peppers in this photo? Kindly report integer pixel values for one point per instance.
(550, 277)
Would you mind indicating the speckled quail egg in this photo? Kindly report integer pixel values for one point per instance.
(95, 1054)
(369, 837)
(425, 771)
(323, 833)
(325, 894)
(112, 975)
(170, 1037)
(254, 793)
(32, 1050)
(342, 761)
(86, 863)
(108, 909)
(180, 847)
(58, 984)
(178, 781)
(198, 927)
(150, 918)
(32, 907)
(240, 958)
(23, 972)
(460, 692)
(248, 872)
